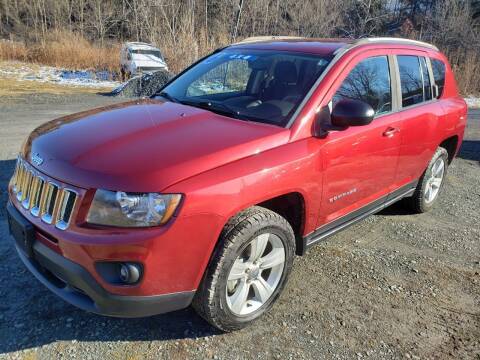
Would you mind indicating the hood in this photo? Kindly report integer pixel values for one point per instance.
(144, 146)
(147, 60)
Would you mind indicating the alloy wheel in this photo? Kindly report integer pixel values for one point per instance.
(255, 274)
(435, 181)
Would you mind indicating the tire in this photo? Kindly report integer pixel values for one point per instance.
(217, 298)
(420, 202)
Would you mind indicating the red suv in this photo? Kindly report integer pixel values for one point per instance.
(204, 193)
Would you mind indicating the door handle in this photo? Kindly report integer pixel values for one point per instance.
(390, 132)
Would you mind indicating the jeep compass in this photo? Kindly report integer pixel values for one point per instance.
(203, 194)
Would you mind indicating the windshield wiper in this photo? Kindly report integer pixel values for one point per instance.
(167, 96)
(218, 108)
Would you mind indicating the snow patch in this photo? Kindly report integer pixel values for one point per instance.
(473, 102)
(48, 74)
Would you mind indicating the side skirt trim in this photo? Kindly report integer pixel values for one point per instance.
(355, 216)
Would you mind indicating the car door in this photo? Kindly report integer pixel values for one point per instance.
(359, 163)
(421, 113)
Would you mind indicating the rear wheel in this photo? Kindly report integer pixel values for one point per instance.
(248, 271)
(431, 183)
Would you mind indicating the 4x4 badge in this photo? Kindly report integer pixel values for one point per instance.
(37, 159)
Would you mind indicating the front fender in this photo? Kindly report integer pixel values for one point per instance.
(228, 189)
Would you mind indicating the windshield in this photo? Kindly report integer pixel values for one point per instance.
(257, 85)
(147, 52)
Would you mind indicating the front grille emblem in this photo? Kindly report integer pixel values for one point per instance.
(37, 159)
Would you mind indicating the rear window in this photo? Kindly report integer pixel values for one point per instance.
(438, 68)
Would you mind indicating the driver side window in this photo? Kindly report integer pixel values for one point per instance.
(230, 76)
(369, 81)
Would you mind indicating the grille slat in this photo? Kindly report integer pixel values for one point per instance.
(15, 176)
(46, 211)
(26, 173)
(53, 204)
(66, 208)
(37, 197)
(27, 190)
(21, 173)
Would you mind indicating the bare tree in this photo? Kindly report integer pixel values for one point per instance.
(186, 29)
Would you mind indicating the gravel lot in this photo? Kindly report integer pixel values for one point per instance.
(393, 286)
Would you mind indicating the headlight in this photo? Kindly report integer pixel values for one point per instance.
(117, 208)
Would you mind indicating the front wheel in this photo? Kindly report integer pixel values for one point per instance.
(431, 183)
(248, 271)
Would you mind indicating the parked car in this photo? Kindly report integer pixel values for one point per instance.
(139, 57)
(204, 193)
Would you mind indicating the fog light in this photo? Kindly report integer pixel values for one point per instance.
(129, 273)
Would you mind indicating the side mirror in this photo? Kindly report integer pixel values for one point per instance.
(350, 112)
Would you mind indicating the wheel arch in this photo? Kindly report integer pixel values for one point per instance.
(291, 206)
(450, 144)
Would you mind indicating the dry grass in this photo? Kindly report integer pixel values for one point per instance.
(70, 50)
(65, 50)
(466, 66)
(13, 50)
(187, 48)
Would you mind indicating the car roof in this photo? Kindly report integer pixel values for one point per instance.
(321, 46)
(305, 45)
(139, 45)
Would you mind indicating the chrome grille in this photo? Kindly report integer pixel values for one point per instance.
(45, 199)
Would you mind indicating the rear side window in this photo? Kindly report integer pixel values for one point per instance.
(438, 68)
(427, 85)
(369, 81)
(410, 80)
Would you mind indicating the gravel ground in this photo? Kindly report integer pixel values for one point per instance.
(393, 286)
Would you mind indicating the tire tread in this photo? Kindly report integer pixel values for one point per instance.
(417, 202)
(205, 302)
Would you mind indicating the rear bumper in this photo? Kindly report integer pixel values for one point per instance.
(74, 284)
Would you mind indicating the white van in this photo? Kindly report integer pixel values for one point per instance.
(139, 57)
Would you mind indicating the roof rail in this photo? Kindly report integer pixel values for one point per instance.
(394, 40)
(266, 38)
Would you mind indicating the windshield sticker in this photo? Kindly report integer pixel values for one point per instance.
(322, 62)
(243, 57)
(213, 58)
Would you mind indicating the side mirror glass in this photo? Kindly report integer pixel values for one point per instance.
(349, 112)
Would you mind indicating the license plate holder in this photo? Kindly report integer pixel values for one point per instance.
(22, 230)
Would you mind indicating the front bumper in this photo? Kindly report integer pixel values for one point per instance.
(77, 286)
(148, 69)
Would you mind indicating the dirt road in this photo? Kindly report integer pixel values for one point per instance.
(393, 286)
